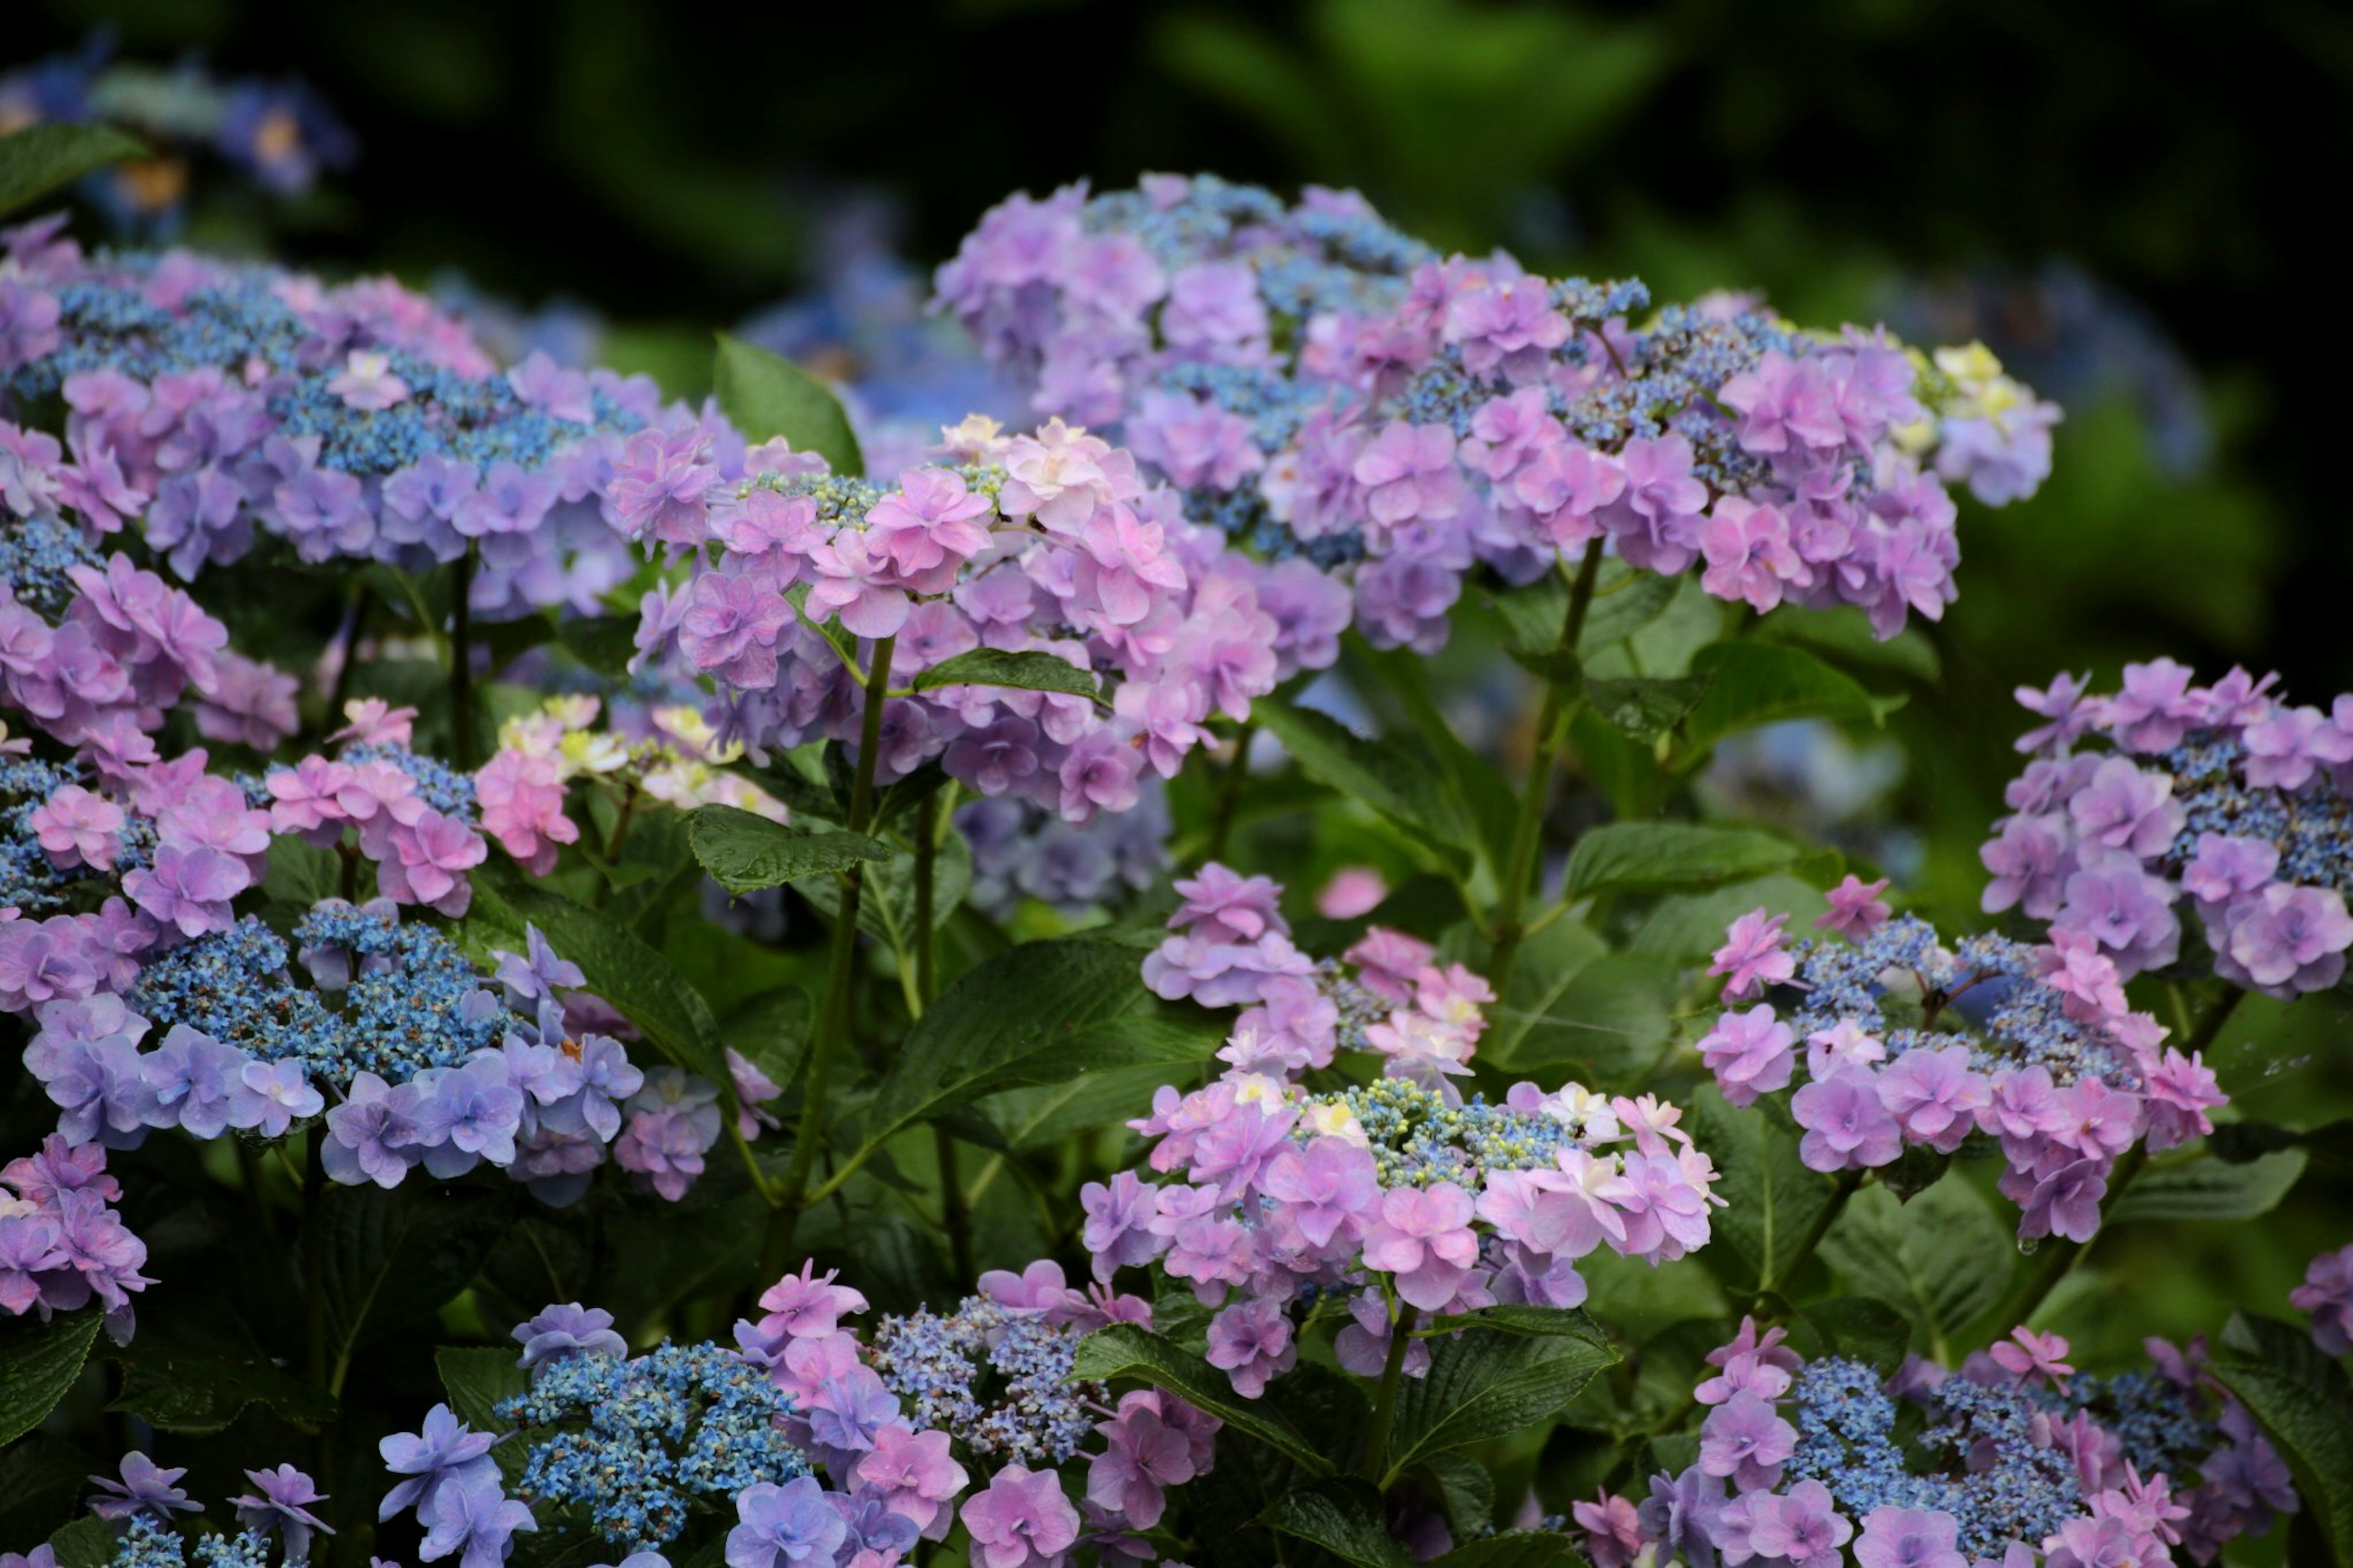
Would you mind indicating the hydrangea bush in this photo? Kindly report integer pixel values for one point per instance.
(596, 983)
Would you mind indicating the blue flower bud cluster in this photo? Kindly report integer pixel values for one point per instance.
(1000, 1379)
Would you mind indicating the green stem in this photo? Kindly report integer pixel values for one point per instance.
(1377, 1440)
(1229, 793)
(2059, 1257)
(461, 660)
(2210, 1023)
(927, 855)
(1769, 1281)
(835, 1021)
(1536, 793)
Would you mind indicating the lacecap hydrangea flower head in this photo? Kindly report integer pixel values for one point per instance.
(218, 404)
(1896, 1040)
(1333, 392)
(2227, 796)
(806, 587)
(1812, 1461)
(1396, 1197)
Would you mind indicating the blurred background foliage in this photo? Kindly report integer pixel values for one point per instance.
(2123, 199)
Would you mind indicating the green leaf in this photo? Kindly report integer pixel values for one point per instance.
(182, 1380)
(1758, 683)
(771, 1031)
(1773, 1200)
(41, 158)
(766, 394)
(476, 1377)
(1125, 1350)
(87, 1542)
(1860, 1329)
(1943, 1259)
(1345, 1516)
(1624, 602)
(1531, 1323)
(1023, 1120)
(1513, 1549)
(1614, 1014)
(1550, 960)
(1490, 1385)
(617, 965)
(1465, 1489)
(1041, 1012)
(1844, 633)
(1030, 670)
(1645, 708)
(388, 1260)
(1670, 855)
(2211, 1189)
(1686, 927)
(1395, 776)
(2308, 1416)
(1481, 796)
(38, 1362)
(745, 852)
(605, 644)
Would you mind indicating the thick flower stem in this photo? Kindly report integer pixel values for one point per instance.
(837, 1017)
(1561, 699)
(955, 1216)
(1771, 1279)
(1376, 1439)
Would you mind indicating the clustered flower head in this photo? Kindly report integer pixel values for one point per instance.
(1897, 1041)
(2012, 1459)
(141, 1499)
(1020, 850)
(218, 403)
(1335, 394)
(2227, 796)
(61, 1242)
(2326, 1294)
(1046, 544)
(1398, 1196)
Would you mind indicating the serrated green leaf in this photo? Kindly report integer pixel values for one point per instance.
(1489, 1385)
(1772, 1199)
(1614, 1016)
(2211, 1189)
(771, 1031)
(1029, 670)
(1515, 1317)
(43, 158)
(1645, 708)
(617, 965)
(1758, 683)
(476, 1377)
(1860, 1329)
(87, 1542)
(1396, 776)
(1656, 855)
(1342, 1515)
(1465, 1489)
(1550, 959)
(1624, 602)
(2310, 1422)
(176, 1379)
(766, 394)
(1942, 1260)
(745, 852)
(1039, 1014)
(389, 1259)
(38, 1362)
(1123, 1350)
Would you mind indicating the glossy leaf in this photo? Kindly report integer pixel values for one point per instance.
(1396, 776)
(2211, 1189)
(1772, 1200)
(2306, 1413)
(38, 1362)
(44, 158)
(1029, 670)
(181, 1380)
(1484, 1386)
(745, 852)
(1942, 1260)
(1123, 1350)
(1670, 855)
(1342, 1515)
(1645, 708)
(766, 394)
(1758, 683)
(389, 1259)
